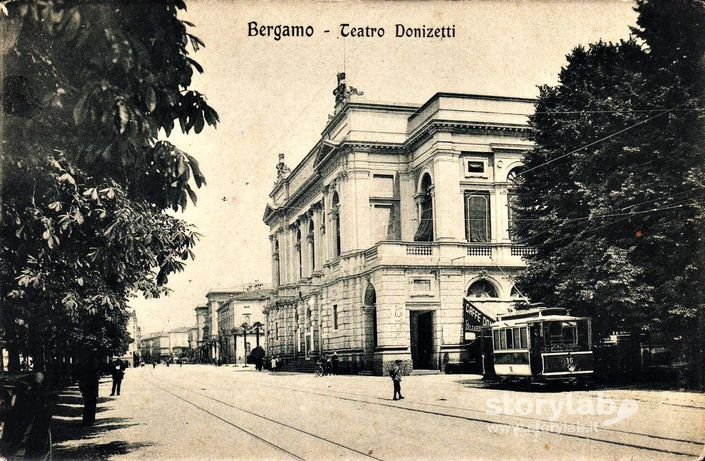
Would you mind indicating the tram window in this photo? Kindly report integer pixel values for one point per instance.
(502, 339)
(568, 333)
(495, 337)
(510, 342)
(517, 341)
(583, 335)
(523, 340)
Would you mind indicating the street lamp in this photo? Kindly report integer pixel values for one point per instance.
(244, 340)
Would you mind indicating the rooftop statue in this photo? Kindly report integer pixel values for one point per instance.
(342, 92)
(282, 170)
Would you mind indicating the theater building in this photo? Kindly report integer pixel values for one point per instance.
(390, 239)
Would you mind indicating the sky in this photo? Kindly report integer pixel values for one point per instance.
(275, 96)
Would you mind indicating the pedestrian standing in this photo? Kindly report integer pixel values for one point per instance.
(395, 374)
(324, 363)
(335, 362)
(273, 364)
(117, 370)
(329, 365)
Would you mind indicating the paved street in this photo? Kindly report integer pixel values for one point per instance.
(205, 412)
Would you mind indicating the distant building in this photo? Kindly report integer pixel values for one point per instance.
(154, 347)
(202, 329)
(211, 337)
(167, 345)
(390, 239)
(241, 322)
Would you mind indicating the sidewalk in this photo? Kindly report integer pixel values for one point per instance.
(73, 441)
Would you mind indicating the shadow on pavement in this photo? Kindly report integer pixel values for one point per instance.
(72, 441)
(524, 386)
(96, 451)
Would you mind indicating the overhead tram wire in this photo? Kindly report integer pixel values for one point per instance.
(605, 138)
(674, 205)
(592, 229)
(631, 213)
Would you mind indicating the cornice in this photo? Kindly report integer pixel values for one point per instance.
(369, 106)
(484, 97)
(452, 126)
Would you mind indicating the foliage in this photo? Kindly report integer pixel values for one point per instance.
(89, 87)
(617, 224)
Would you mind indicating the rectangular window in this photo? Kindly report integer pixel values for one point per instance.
(503, 339)
(335, 316)
(510, 338)
(495, 337)
(475, 167)
(276, 330)
(517, 340)
(524, 342)
(477, 216)
(511, 202)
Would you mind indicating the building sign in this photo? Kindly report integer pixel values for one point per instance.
(474, 320)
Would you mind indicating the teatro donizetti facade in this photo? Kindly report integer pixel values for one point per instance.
(390, 239)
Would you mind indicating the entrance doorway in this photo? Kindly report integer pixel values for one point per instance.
(421, 327)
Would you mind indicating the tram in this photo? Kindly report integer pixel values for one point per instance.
(540, 344)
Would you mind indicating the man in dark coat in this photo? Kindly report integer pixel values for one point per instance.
(395, 374)
(117, 370)
(335, 361)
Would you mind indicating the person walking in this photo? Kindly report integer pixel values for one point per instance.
(395, 374)
(335, 361)
(117, 370)
(273, 364)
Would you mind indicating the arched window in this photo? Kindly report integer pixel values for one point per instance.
(298, 252)
(335, 220)
(515, 293)
(312, 245)
(482, 289)
(370, 300)
(424, 233)
(513, 179)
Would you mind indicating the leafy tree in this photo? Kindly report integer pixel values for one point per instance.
(89, 86)
(611, 194)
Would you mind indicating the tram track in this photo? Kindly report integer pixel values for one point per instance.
(260, 416)
(532, 424)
